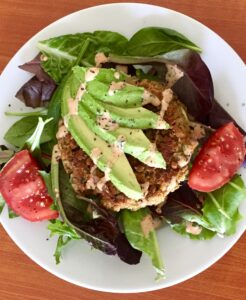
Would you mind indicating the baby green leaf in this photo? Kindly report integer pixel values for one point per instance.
(22, 130)
(152, 41)
(220, 208)
(139, 230)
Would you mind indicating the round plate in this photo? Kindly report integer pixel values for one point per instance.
(183, 258)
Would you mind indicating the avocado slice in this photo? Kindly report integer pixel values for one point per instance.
(139, 118)
(108, 158)
(109, 86)
(135, 142)
(117, 166)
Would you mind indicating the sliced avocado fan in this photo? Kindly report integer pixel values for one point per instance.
(93, 112)
(134, 141)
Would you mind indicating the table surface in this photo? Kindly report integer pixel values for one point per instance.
(21, 278)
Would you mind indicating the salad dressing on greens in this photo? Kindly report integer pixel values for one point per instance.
(104, 127)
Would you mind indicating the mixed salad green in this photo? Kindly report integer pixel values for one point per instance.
(35, 185)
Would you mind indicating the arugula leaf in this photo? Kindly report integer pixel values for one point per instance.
(23, 129)
(65, 233)
(220, 208)
(12, 214)
(2, 203)
(152, 41)
(139, 230)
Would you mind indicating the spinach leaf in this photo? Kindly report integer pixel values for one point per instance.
(152, 41)
(22, 130)
(2, 203)
(220, 208)
(61, 53)
(65, 233)
(139, 230)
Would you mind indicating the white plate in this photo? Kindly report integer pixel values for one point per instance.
(183, 258)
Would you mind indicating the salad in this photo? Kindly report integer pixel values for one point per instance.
(125, 136)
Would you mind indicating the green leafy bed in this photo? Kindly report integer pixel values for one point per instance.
(126, 233)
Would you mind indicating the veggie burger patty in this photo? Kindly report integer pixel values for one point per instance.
(176, 144)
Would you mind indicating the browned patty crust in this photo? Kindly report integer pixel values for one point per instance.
(176, 145)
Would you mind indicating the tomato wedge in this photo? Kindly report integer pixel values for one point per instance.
(24, 190)
(218, 160)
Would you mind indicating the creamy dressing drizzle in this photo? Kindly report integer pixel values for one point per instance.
(100, 58)
(173, 74)
(117, 149)
(193, 229)
(56, 154)
(91, 73)
(101, 183)
(149, 98)
(80, 92)
(122, 68)
(62, 132)
(95, 154)
(115, 86)
(167, 96)
(147, 225)
(117, 75)
(105, 121)
(150, 161)
(72, 107)
(145, 187)
(90, 184)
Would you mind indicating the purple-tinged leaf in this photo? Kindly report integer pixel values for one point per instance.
(195, 88)
(35, 93)
(125, 251)
(34, 67)
(218, 117)
(180, 203)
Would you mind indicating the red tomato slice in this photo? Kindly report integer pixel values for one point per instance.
(218, 160)
(24, 190)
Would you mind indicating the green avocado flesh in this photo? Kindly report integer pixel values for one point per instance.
(95, 117)
(135, 142)
(120, 174)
